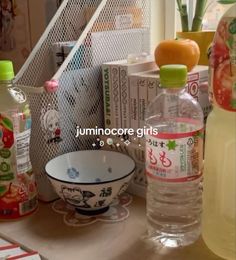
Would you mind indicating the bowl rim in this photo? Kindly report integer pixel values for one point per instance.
(91, 183)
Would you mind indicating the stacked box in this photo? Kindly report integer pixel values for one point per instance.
(116, 90)
(144, 86)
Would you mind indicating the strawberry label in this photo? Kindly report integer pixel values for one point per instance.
(17, 184)
(223, 65)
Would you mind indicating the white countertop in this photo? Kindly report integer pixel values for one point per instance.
(46, 232)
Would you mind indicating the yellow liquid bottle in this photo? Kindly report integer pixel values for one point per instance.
(219, 196)
(219, 185)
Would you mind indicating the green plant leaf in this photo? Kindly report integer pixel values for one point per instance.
(182, 8)
(200, 8)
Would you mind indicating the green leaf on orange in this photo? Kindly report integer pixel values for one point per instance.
(7, 123)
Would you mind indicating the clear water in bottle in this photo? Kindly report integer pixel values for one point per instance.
(174, 160)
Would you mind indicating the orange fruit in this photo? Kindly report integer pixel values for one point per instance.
(181, 51)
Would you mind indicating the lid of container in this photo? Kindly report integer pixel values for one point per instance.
(173, 76)
(6, 70)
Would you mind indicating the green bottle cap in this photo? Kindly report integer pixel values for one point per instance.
(173, 76)
(6, 70)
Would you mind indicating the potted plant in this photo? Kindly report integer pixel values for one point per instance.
(198, 16)
(203, 38)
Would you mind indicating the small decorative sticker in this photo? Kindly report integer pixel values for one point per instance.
(50, 125)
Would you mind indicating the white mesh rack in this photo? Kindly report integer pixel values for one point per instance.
(98, 31)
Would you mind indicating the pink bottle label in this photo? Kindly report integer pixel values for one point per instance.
(18, 193)
(175, 157)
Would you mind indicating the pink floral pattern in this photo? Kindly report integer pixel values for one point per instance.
(117, 211)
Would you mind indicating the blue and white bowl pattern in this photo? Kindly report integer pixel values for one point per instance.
(90, 180)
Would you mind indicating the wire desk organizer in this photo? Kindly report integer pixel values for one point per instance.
(66, 91)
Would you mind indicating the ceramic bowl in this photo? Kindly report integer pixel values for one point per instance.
(90, 180)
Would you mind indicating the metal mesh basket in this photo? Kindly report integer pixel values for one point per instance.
(95, 31)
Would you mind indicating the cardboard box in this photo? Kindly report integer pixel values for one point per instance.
(197, 85)
(144, 86)
(125, 17)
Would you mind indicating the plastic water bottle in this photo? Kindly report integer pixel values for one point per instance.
(174, 162)
(18, 194)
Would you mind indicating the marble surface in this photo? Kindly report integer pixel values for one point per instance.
(46, 232)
